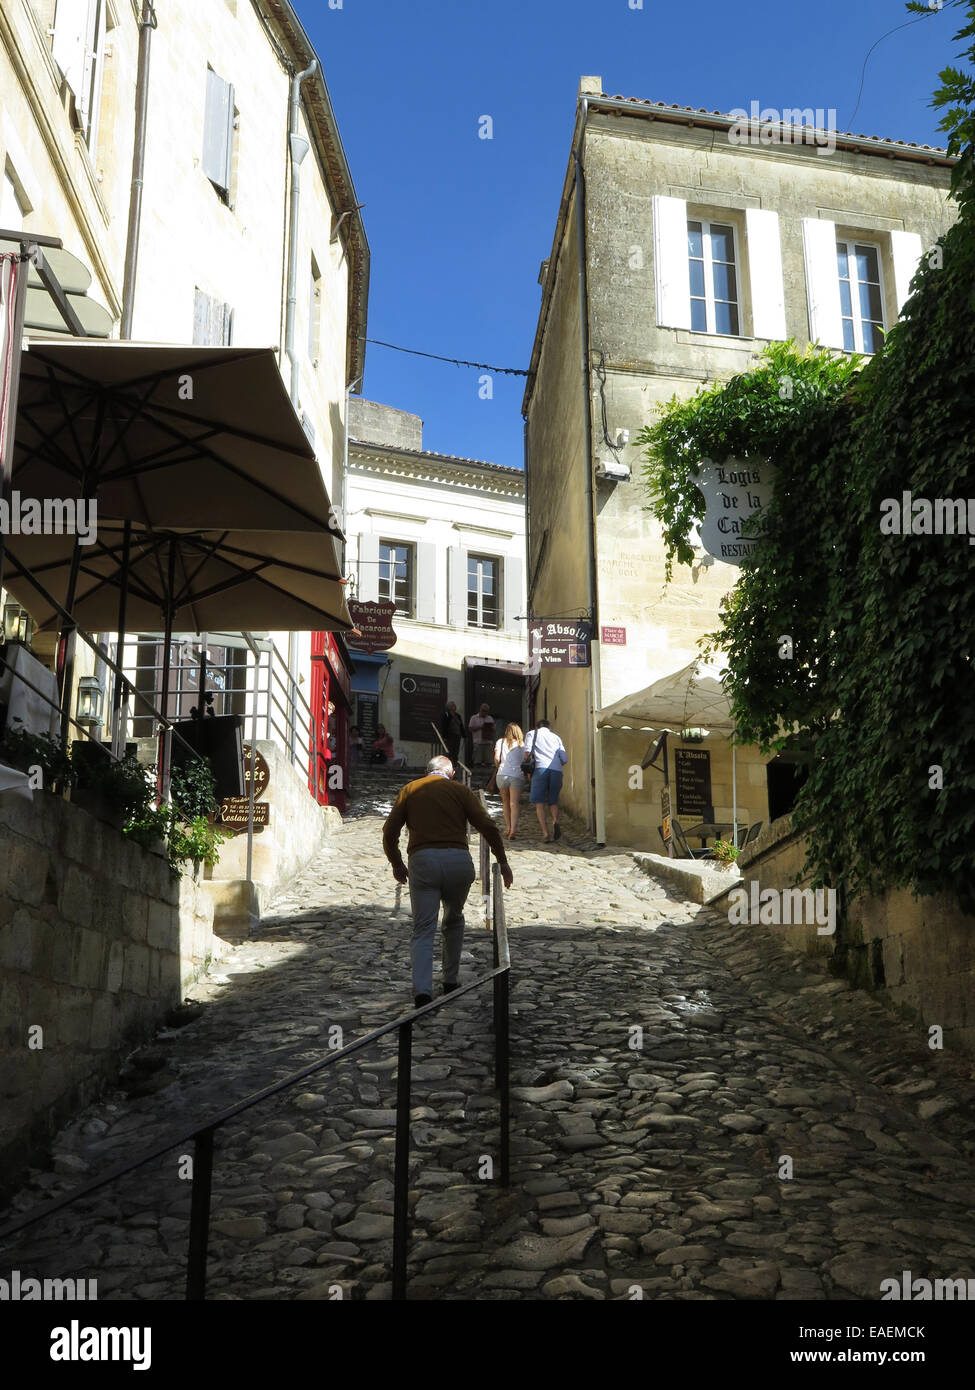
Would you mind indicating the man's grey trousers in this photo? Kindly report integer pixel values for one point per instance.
(438, 876)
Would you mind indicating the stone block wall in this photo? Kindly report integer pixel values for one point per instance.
(916, 954)
(97, 941)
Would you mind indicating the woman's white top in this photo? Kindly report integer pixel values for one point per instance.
(510, 759)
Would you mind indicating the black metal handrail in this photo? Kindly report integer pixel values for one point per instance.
(201, 1135)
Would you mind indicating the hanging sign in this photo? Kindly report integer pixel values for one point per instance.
(733, 491)
(560, 642)
(374, 622)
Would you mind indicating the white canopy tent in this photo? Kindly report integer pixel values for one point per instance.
(691, 698)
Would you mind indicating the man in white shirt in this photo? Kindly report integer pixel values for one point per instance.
(482, 733)
(546, 784)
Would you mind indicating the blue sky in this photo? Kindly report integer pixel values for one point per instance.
(458, 226)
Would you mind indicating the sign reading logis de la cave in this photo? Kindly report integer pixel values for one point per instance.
(733, 491)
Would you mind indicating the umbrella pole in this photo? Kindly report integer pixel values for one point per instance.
(120, 693)
(68, 645)
(734, 793)
(167, 736)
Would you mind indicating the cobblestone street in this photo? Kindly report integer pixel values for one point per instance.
(777, 1135)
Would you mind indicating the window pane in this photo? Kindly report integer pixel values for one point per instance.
(722, 244)
(849, 342)
(872, 337)
(699, 316)
(697, 279)
(841, 260)
(870, 307)
(695, 239)
(725, 282)
(866, 263)
(726, 318)
(846, 302)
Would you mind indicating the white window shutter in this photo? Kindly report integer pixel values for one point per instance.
(822, 282)
(765, 274)
(426, 582)
(457, 598)
(367, 590)
(97, 56)
(218, 131)
(671, 270)
(906, 250)
(70, 42)
(512, 584)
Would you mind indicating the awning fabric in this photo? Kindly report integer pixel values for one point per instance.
(179, 437)
(692, 697)
(244, 580)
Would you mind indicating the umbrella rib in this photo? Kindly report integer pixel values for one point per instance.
(251, 436)
(30, 452)
(149, 463)
(317, 523)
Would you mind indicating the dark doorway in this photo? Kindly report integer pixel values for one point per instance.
(784, 780)
(501, 690)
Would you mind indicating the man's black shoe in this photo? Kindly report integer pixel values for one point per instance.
(422, 999)
(449, 989)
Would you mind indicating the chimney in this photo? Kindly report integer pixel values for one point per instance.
(590, 86)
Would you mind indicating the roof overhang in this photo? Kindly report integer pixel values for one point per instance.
(298, 53)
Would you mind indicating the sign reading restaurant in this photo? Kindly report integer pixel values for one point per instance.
(560, 642)
(374, 623)
(733, 492)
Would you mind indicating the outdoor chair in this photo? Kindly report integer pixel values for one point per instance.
(680, 840)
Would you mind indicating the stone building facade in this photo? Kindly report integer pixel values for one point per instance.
(214, 238)
(444, 538)
(680, 250)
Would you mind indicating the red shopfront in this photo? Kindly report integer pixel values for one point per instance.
(331, 706)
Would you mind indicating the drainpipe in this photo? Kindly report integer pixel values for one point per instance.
(597, 815)
(297, 148)
(146, 26)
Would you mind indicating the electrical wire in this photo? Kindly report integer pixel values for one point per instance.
(863, 73)
(454, 361)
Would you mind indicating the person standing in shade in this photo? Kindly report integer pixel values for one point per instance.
(546, 783)
(482, 732)
(509, 753)
(452, 729)
(436, 810)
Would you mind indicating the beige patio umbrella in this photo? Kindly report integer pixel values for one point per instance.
(691, 698)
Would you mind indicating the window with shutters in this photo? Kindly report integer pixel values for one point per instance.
(483, 591)
(314, 309)
(861, 295)
(713, 266)
(397, 566)
(14, 205)
(220, 119)
(213, 321)
(78, 47)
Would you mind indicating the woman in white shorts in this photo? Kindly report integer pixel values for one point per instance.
(508, 755)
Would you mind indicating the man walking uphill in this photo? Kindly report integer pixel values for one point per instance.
(436, 810)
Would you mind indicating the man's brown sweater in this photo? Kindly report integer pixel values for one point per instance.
(436, 811)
